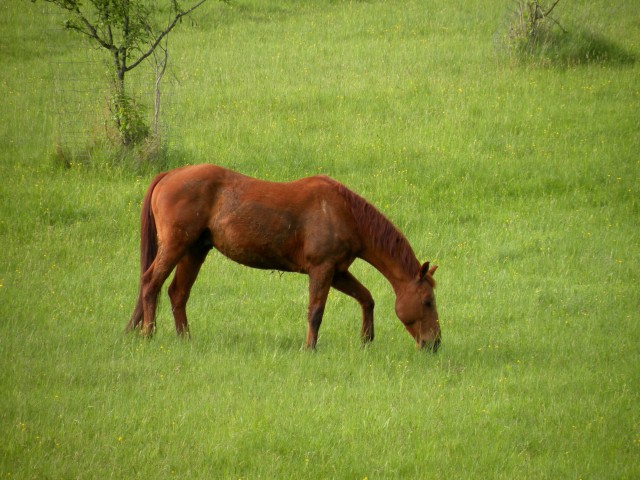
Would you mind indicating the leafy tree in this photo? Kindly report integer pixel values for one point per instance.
(128, 30)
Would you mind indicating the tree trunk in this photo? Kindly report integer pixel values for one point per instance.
(118, 105)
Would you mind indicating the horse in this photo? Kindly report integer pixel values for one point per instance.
(315, 226)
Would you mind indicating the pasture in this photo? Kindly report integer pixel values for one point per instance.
(520, 179)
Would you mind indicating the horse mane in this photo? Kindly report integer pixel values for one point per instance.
(384, 234)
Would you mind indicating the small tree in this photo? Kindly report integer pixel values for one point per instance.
(128, 31)
(531, 25)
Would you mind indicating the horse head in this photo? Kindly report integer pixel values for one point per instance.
(416, 309)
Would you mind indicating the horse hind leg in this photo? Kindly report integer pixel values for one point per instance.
(136, 317)
(186, 273)
(152, 281)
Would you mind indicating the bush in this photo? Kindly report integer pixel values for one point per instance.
(128, 117)
(535, 36)
(532, 29)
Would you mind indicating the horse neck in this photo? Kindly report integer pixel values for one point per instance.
(385, 247)
(396, 269)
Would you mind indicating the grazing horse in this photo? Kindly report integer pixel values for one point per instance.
(313, 225)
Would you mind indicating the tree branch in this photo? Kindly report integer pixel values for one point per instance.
(552, 7)
(92, 32)
(164, 33)
(557, 23)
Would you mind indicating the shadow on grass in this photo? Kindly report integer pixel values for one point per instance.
(574, 48)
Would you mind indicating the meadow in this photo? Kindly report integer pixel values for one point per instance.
(518, 177)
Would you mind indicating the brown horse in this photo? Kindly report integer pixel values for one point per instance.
(314, 225)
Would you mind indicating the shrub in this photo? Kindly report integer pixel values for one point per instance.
(535, 36)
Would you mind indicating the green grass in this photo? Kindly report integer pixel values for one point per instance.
(519, 180)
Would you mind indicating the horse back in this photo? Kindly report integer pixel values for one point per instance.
(288, 226)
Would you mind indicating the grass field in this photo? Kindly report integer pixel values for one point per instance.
(519, 178)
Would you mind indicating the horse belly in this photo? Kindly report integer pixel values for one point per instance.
(266, 242)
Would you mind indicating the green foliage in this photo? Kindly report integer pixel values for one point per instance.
(128, 118)
(116, 23)
(520, 183)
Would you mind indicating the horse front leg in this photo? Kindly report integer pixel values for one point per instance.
(349, 285)
(319, 284)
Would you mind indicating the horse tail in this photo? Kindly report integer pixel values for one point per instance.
(148, 247)
(148, 232)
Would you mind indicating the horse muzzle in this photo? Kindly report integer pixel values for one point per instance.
(430, 345)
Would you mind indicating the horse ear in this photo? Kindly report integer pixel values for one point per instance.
(425, 270)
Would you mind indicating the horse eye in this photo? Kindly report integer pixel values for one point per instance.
(428, 303)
